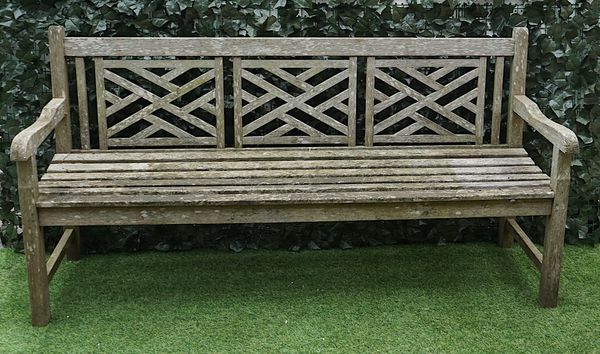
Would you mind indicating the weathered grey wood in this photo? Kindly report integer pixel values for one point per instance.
(505, 239)
(424, 138)
(74, 249)
(88, 46)
(266, 181)
(497, 99)
(291, 213)
(251, 198)
(352, 87)
(295, 153)
(58, 254)
(220, 102)
(480, 100)
(425, 101)
(289, 173)
(526, 244)
(158, 63)
(562, 137)
(296, 63)
(555, 228)
(455, 63)
(370, 98)
(101, 103)
(135, 192)
(518, 73)
(25, 144)
(279, 165)
(60, 85)
(238, 125)
(33, 238)
(82, 103)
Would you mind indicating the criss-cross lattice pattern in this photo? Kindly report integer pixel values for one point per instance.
(160, 102)
(280, 102)
(425, 100)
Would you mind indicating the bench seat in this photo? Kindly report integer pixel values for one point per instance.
(275, 176)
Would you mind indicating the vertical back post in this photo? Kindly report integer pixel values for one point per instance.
(497, 100)
(479, 126)
(237, 102)
(219, 102)
(101, 104)
(518, 75)
(58, 72)
(369, 98)
(82, 103)
(352, 67)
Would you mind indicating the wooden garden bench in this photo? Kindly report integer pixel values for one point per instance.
(422, 144)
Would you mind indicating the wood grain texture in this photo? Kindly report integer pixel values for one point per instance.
(555, 229)
(60, 85)
(88, 46)
(82, 103)
(291, 213)
(560, 136)
(25, 144)
(59, 252)
(518, 73)
(33, 238)
(532, 252)
(497, 100)
(101, 103)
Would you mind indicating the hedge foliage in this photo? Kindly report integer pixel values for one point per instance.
(563, 78)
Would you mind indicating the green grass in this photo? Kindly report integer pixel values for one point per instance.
(456, 298)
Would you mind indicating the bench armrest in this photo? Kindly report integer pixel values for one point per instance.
(559, 136)
(25, 144)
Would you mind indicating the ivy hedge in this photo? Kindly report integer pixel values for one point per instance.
(563, 78)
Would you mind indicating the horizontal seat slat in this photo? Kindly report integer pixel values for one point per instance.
(281, 154)
(284, 165)
(293, 181)
(179, 190)
(293, 173)
(292, 198)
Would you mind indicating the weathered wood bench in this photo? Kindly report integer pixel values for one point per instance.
(156, 152)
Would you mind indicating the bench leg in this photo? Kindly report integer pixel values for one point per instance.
(555, 230)
(33, 237)
(74, 251)
(505, 238)
(39, 295)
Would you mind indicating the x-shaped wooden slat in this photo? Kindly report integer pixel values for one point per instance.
(428, 101)
(292, 102)
(157, 102)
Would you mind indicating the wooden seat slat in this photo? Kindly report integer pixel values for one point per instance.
(281, 154)
(293, 188)
(294, 173)
(197, 199)
(47, 184)
(284, 165)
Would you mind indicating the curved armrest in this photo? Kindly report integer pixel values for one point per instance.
(25, 144)
(561, 137)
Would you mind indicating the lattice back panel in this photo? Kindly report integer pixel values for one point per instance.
(281, 102)
(425, 100)
(143, 103)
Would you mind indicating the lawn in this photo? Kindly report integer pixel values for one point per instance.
(425, 298)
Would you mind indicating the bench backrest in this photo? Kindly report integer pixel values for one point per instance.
(152, 92)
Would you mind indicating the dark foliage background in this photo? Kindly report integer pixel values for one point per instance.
(563, 78)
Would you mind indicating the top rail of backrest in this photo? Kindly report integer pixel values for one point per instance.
(305, 46)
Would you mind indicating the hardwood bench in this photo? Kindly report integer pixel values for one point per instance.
(426, 141)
